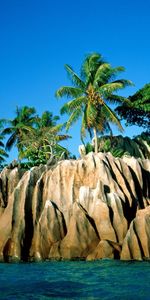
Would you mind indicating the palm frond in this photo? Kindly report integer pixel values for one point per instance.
(74, 117)
(60, 148)
(62, 137)
(23, 127)
(107, 128)
(73, 105)
(25, 114)
(111, 116)
(69, 92)
(47, 120)
(91, 114)
(90, 66)
(3, 153)
(54, 129)
(109, 88)
(11, 141)
(95, 60)
(2, 160)
(118, 99)
(101, 74)
(76, 80)
(113, 72)
(105, 74)
(124, 82)
(6, 131)
(2, 123)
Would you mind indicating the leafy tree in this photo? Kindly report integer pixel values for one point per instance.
(137, 111)
(42, 143)
(19, 126)
(90, 95)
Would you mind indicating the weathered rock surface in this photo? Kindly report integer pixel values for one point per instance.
(91, 208)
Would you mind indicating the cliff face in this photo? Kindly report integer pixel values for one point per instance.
(92, 208)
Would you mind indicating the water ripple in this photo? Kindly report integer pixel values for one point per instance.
(104, 279)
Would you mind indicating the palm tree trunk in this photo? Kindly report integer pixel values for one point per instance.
(95, 139)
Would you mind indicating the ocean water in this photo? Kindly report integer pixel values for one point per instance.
(103, 279)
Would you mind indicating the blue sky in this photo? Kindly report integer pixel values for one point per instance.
(38, 37)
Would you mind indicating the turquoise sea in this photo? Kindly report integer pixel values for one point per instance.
(103, 279)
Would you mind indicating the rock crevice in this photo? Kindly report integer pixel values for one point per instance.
(91, 208)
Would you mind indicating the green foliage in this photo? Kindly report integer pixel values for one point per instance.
(42, 143)
(20, 125)
(3, 153)
(137, 111)
(37, 138)
(89, 148)
(91, 93)
(139, 146)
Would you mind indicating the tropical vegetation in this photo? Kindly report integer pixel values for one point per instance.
(91, 94)
(42, 144)
(118, 146)
(19, 126)
(37, 138)
(137, 110)
(3, 153)
(92, 98)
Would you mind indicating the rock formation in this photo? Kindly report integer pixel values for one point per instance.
(91, 208)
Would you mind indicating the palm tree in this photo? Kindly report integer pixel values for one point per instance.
(20, 125)
(42, 142)
(3, 153)
(46, 120)
(90, 94)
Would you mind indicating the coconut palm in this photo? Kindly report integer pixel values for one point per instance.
(20, 125)
(91, 94)
(47, 120)
(42, 142)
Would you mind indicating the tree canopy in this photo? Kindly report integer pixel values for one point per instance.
(42, 143)
(91, 93)
(37, 138)
(91, 98)
(137, 111)
(20, 125)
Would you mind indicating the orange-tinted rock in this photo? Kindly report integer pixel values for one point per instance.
(81, 238)
(137, 241)
(105, 249)
(91, 208)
